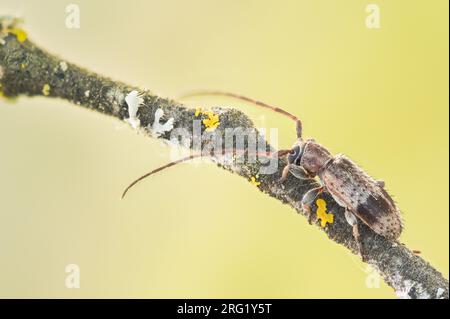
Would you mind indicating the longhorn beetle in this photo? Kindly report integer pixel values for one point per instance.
(363, 198)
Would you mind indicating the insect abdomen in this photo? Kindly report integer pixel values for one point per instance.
(355, 190)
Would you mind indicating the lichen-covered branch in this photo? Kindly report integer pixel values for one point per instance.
(26, 69)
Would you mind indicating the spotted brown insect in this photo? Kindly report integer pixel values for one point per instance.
(363, 198)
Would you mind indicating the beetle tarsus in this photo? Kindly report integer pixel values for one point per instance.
(355, 230)
(284, 174)
(309, 214)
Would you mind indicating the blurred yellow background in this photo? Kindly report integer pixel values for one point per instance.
(378, 95)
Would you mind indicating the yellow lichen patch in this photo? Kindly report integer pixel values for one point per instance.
(198, 111)
(254, 181)
(46, 89)
(322, 213)
(212, 122)
(20, 34)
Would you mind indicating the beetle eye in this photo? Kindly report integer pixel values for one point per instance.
(294, 155)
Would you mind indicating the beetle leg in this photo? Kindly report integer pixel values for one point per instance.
(308, 199)
(299, 172)
(284, 174)
(353, 221)
(296, 170)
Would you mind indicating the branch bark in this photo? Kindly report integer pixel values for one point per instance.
(26, 69)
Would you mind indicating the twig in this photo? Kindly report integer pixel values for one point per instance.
(29, 70)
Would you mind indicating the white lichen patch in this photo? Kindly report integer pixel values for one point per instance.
(416, 289)
(133, 101)
(403, 292)
(63, 66)
(440, 292)
(86, 93)
(158, 128)
(421, 292)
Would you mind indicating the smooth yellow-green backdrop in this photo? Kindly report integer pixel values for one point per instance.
(378, 95)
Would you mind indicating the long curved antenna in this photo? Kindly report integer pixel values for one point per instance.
(279, 153)
(250, 100)
(181, 160)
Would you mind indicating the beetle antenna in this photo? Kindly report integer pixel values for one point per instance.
(250, 100)
(279, 153)
(181, 160)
